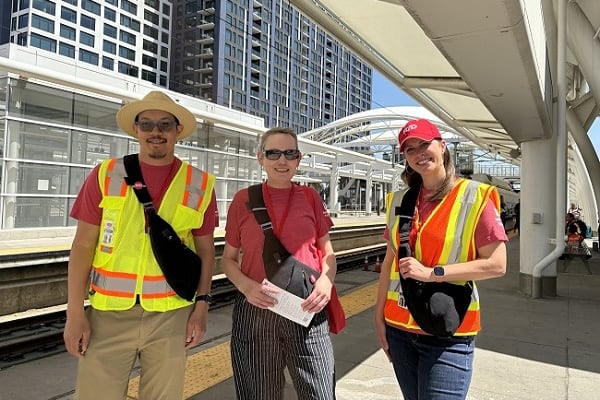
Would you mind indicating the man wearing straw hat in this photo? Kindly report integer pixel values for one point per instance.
(133, 312)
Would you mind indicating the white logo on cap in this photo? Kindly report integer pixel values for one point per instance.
(409, 128)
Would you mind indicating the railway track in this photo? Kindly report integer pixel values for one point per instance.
(26, 339)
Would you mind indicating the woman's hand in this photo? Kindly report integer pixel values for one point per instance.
(380, 330)
(320, 296)
(260, 294)
(410, 267)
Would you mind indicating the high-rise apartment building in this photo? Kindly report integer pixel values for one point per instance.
(258, 56)
(265, 58)
(130, 37)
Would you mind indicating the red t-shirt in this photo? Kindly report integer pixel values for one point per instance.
(489, 228)
(302, 227)
(157, 178)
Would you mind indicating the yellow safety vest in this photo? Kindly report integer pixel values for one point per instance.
(447, 236)
(124, 265)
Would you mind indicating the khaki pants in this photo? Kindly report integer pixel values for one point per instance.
(118, 338)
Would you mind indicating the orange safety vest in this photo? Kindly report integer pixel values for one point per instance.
(447, 236)
(124, 265)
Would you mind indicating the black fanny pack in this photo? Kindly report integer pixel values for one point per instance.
(180, 265)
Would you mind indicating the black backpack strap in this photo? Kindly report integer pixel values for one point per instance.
(273, 249)
(405, 212)
(135, 179)
(256, 204)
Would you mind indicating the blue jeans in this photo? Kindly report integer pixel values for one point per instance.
(429, 367)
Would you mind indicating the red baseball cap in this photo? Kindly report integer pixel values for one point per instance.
(420, 129)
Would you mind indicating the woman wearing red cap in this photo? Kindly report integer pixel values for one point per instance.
(443, 233)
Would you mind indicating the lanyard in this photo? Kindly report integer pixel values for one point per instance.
(277, 227)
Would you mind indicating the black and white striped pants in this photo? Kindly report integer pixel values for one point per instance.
(264, 343)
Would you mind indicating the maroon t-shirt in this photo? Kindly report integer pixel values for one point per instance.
(157, 178)
(299, 233)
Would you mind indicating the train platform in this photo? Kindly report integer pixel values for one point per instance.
(529, 349)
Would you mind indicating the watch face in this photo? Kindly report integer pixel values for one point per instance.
(438, 271)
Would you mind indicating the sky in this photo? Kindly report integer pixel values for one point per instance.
(386, 94)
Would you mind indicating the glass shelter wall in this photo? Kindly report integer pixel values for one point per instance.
(51, 138)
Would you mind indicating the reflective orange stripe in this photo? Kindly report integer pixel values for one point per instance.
(203, 186)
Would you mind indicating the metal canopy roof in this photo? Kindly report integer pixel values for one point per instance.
(460, 59)
(485, 68)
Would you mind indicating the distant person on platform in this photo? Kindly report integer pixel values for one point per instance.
(575, 210)
(448, 233)
(133, 311)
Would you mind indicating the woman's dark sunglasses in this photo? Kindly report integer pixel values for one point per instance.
(290, 154)
(163, 126)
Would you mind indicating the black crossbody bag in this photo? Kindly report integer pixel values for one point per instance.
(438, 307)
(180, 265)
(281, 267)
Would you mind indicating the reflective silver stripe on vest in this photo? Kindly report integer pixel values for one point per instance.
(155, 287)
(116, 178)
(127, 285)
(467, 201)
(195, 190)
(112, 283)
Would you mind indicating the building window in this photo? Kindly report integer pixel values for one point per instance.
(151, 17)
(149, 61)
(108, 63)
(42, 42)
(127, 53)
(23, 21)
(91, 6)
(128, 6)
(109, 47)
(68, 15)
(130, 23)
(88, 57)
(88, 22)
(128, 69)
(87, 39)
(110, 14)
(150, 31)
(150, 46)
(44, 5)
(67, 32)
(110, 31)
(127, 37)
(66, 50)
(149, 76)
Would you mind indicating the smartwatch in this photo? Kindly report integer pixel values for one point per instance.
(203, 297)
(438, 273)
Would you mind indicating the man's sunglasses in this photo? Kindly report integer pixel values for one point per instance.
(289, 154)
(163, 126)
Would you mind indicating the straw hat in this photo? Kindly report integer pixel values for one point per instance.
(155, 100)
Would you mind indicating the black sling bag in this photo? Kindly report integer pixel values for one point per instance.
(438, 307)
(180, 265)
(282, 269)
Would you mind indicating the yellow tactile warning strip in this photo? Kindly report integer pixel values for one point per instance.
(212, 366)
